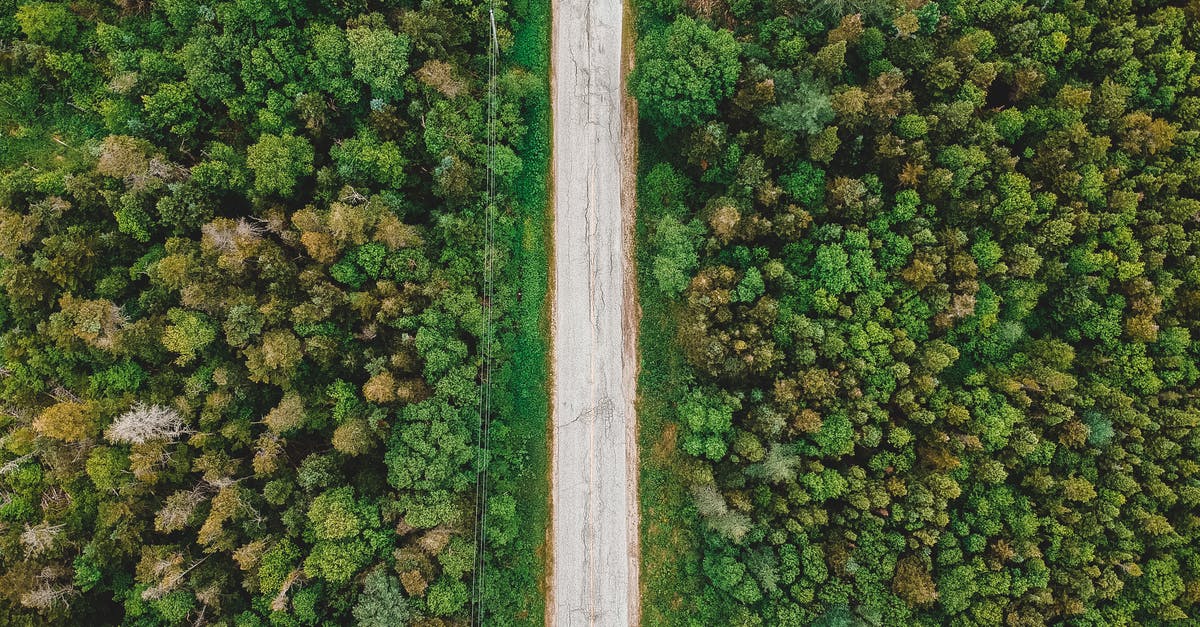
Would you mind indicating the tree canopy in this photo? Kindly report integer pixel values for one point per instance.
(684, 71)
(241, 315)
(919, 285)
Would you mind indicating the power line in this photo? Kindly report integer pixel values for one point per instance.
(478, 575)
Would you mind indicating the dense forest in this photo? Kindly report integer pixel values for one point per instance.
(922, 304)
(918, 281)
(240, 311)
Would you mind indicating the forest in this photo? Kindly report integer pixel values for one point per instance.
(241, 312)
(917, 282)
(921, 295)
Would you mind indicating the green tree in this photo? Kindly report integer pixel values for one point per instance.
(708, 421)
(749, 288)
(337, 561)
(47, 23)
(364, 160)
(806, 184)
(189, 333)
(382, 602)
(379, 58)
(683, 72)
(675, 253)
(446, 597)
(242, 323)
(832, 269)
(329, 63)
(278, 161)
(173, 107)
(808, 109)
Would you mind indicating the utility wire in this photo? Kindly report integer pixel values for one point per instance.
(478, 575)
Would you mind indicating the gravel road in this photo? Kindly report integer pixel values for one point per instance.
(594, 579)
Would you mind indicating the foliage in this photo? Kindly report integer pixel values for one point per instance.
(382, 603)
(675, 246)
(379, 58)
(919, 309)
(219, 223)
(278, 162)
(684, 71)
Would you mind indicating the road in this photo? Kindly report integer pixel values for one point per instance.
(594, 571)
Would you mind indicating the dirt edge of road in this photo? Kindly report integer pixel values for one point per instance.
(632, 308)
(551, 182)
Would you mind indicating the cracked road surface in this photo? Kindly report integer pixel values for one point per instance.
(594, 580)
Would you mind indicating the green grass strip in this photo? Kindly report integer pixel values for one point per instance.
(515, 593)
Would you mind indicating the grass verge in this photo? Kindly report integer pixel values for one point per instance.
(514, 590)
(671, 580)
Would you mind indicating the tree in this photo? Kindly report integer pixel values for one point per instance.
(724, 571)
(428, 448)
(709, 423)
(380, 388)
(122, 156)
(287, 415)
(1016, 206)
(806, 184)
(329, 62)
(278, 161)
(242, 323)
(443, 77)
(683, 72)
(779, 466)
(749, 288)
(107, 467)
(364, 160)
(174, 107)
(663, 190)
(956, 587)
(143, 423)
(335, 514)
(276, 359)
(380, 59)
(337, 562)
(912, 582)
(354, 437)
(806, 111)
(911, 126)
(675, 257)
(189, 333)
(832, 269)
(46, 23)
(458, 557)
(178, 510)
(276, 566)
(446, 597)
(382, 602)
(70, 421)
(1161, 582)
